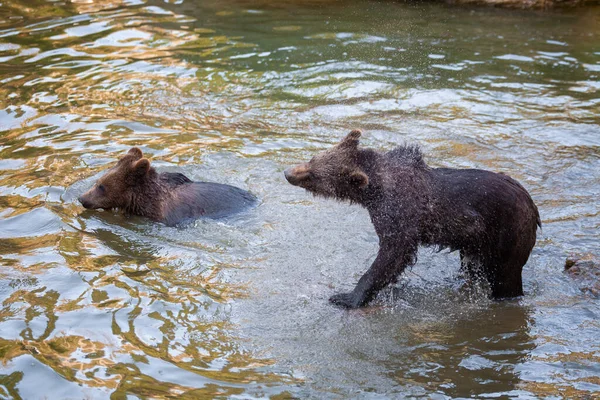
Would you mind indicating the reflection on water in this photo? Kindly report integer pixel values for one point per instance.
(96, 304)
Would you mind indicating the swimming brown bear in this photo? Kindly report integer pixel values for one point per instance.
(488, 216)
(134, 186)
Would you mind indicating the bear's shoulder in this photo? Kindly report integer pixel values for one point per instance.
(407, 154)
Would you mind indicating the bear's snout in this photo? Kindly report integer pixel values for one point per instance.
(296, 175)
(84, 202)
(289, 175)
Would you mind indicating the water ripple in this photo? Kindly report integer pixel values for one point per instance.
(97, 304)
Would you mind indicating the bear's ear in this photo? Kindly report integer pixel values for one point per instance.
(136, 153)
(141, 167)
(352, 139)
(359, 178)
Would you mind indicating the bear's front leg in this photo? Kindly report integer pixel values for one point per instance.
(392, 259)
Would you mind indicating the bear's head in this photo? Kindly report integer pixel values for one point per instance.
(332, 173)
(116, 188)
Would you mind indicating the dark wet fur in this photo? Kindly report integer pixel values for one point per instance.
(488, 216)
(174, 178)
(207, 199)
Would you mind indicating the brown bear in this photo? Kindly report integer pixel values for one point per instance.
(135, 187)
(489, 217)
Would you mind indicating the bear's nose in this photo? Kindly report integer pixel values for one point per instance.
(298, 174)
(84, 202)
(289, 175)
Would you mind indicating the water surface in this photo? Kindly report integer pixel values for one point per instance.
(98, 305)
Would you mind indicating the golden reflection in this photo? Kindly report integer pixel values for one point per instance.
(90, 6)
(42, 169)
(10, 349)
(571, 357)
(41, 302)
(560, 390)
(26, 246)
(39, 8)
(446, 148)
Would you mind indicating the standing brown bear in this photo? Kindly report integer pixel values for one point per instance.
(135, 187)
(489, 217)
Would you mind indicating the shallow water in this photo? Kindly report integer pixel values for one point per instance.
(97, 305)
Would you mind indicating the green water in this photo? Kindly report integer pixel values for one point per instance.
(97, 305)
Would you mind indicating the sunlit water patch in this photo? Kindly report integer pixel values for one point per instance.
(95, 304)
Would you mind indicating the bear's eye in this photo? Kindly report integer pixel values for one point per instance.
(101, 188)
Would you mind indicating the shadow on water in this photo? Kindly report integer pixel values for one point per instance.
(100, 305)
(468, 355)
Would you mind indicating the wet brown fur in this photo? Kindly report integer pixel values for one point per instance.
(489, 217)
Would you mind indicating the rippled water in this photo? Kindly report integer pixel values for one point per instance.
(94, 304)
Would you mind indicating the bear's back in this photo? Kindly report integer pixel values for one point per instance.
(192, 200)
(481, 189)
(484, 206)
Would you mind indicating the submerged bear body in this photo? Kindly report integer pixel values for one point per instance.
(172, 198)
(191, 200)
(489, 217)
